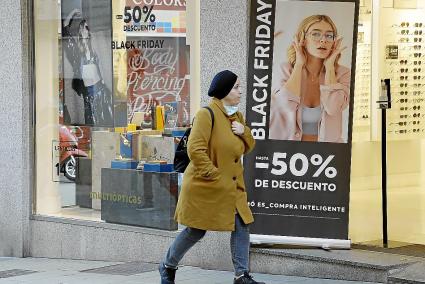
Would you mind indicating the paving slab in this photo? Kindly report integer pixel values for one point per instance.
(413, 274)
(361, 258)
(59, 271)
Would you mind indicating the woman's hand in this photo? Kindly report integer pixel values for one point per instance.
(300, 58)
(336, 50)
(238, 128)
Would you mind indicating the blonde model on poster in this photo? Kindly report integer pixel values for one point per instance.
(313, 89)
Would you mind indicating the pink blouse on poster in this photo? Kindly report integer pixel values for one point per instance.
(285, 107)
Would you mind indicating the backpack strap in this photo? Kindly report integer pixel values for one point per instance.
(212, 116)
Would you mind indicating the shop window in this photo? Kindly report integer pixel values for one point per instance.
(113, 96)
(390, 45)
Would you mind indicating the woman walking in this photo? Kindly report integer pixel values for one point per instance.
(213, 196)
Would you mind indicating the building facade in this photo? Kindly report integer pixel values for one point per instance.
(44, 213)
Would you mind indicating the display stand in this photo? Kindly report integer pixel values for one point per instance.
(138, 198)
(384, 103)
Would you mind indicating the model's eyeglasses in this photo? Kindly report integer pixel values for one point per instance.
(317, 36)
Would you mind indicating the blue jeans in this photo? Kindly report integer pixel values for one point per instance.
(239, 246)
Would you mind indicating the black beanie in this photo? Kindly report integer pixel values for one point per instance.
(222, 84)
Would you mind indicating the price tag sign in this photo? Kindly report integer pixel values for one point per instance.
(303, 191)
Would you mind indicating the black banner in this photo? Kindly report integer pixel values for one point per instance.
(299, 107)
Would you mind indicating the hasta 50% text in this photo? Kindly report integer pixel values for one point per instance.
(298, 164)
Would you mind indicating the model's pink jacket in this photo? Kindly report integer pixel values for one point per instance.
(285, 110)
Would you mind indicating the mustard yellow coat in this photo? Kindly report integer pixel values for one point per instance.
(213, 186)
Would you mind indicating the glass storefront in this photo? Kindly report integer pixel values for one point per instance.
(390, 46)
(113, 96)
(117, 82)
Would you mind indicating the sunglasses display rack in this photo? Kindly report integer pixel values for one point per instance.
(403, 65)
(362, 90)
(361, 115)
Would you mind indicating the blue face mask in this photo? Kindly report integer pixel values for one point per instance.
(231, 109)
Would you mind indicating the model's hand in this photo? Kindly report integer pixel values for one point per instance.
(336, 51)
(74, 13)
(300, 53)
(238, 128)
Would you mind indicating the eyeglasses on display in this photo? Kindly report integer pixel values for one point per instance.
(414, 108)
(403, 101)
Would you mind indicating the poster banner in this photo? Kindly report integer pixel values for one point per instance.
(87, 63)
(156, 16)
(299, 108)
(158, 75)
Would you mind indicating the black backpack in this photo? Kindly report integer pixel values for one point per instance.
(181, 159)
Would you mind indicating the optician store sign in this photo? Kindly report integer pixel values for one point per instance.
(299, 108)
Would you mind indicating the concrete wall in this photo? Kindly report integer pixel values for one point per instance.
(53, 238)
(224, 42)
(15, 131)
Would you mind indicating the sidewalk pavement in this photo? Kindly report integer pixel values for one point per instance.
(61, 271)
